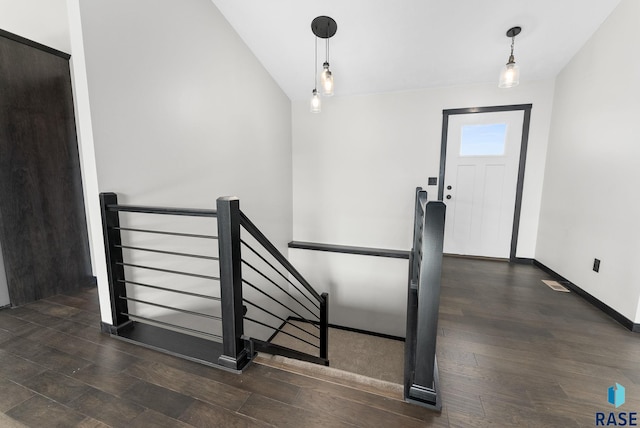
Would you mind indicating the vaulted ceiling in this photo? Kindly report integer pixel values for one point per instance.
(398, 45)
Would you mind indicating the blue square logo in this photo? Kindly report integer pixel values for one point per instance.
(616, 395)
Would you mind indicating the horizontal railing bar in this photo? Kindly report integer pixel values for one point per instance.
(272, 348)
(177, 272)
(160, 232)
(280, 288)
(274, 299)
(171, 253)
(184, 311)
(282, 319)
(172, 290)
(259, 236)
(134, 316)
(193, 212)
(280, 273)
(279, 330)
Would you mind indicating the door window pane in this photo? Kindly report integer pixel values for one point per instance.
(483, 140)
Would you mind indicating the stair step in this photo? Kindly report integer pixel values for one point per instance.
(330, 374)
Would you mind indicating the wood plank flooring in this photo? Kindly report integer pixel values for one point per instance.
(511, 352)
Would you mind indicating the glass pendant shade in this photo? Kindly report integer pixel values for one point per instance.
(510, 75)
(315, 105)
(326, 81)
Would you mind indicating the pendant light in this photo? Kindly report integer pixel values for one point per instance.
(316, 104)
(323, 27)
(510, 74)
(326, 78)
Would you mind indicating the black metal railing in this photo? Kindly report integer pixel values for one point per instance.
(123, 283)
(421, 384)
(224, 298)
(276, 298)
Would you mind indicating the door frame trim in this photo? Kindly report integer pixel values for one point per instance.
(526, 108)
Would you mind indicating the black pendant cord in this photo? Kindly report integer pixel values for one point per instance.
(327, 52)
(513, 32)
(511, 57)
(315, 69)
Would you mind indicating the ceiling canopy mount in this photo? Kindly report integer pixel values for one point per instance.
(324, 27)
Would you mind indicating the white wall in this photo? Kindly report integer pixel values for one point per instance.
(43, 21)
(355, 168)
(86, 151)
(590, 207)
(182, 112)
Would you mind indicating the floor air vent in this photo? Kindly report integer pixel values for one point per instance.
(555, 285)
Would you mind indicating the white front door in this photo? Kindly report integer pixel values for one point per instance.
(481, 176)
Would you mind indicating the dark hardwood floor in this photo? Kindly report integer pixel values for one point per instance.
(511, 352)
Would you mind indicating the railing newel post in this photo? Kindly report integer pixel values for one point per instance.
(115, 269)
(234, 354)
(425, 273)
(324, 327)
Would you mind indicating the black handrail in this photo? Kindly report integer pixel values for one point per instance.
(348, 249)
(192, 212)
(259, 236)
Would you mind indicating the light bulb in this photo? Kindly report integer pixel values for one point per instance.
(510, 75)
(316, 105)
(326, 80)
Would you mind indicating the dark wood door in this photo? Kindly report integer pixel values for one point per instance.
(42, 219)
